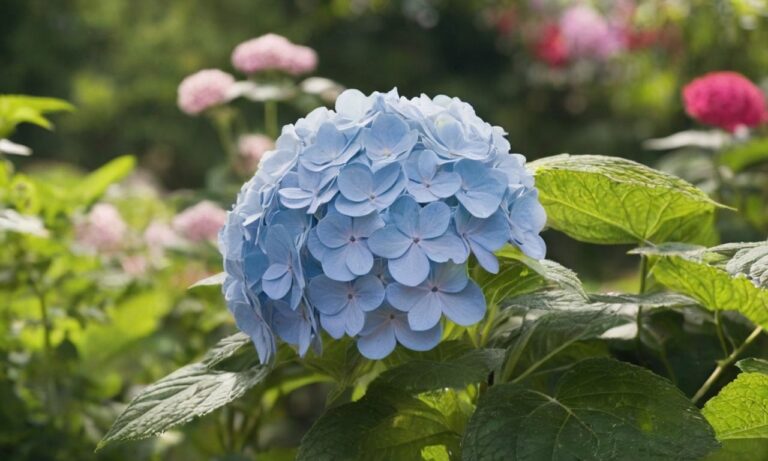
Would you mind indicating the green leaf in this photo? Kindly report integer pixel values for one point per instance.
(213, 280)
(93, 186)
(741, 450)
(752, 262)
(538, 344)
(16, 109)
(611, 200)
(601, 410)
(740, 410)
(713, 288)
(388, 425)
(743, 156)
(419, 376)
(753, 365)
(189, 392)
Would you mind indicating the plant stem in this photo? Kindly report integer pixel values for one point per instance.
(270, 119)
(50, 385)
(720, 333)
(223, 125)
(725, 363)
(639, 318)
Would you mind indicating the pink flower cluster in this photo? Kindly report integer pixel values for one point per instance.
(253, 146)
(587, 34)
(725, 99)
(273, 52)
(203, 90)
(200, 222)
(102, 230)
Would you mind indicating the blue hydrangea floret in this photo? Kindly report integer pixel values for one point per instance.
(360, 223)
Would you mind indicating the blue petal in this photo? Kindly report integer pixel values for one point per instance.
(433, 220)
(356, 182)
(377, 343)
(404, 297)
(335, 265)
(334, 230)
(279, 287)
(354, 209)
(466, 307)
(445, 184)
(410, 269)
(358, 258)
(404, 213)
(328, 296)
(335, 325)
(250, 322)
(449, 278)
(444, 248)
(420, 192)
(418, 340)
(364, 226)
(481, 190)
(426, 313)
(387, 178)
(388, 242)
(354, 320)
(485, 258)
(369, 292)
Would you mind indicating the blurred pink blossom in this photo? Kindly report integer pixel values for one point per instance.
(252, 147)
(158, 236)
(587, 34)
(102, 230)
(204, 89)
(273, 52)
(134, 265)
(200, 222)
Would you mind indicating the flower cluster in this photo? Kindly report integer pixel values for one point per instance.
(273, 52)
(725, 99)
(203, 90)
(200, 222)
(362, 220)
(103, 229)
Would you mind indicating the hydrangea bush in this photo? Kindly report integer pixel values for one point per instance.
(362, 220)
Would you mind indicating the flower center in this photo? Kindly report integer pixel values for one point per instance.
(350, 296)
(352, 238)
(416, 240)
(434, 290)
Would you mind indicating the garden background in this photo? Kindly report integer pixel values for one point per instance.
(115, 319)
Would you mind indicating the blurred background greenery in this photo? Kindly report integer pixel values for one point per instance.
(120, 62)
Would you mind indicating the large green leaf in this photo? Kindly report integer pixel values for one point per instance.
(423, 375)
(740, 410)
(539, 345)
(752, 262)
(16, 109)
(712, 287)
(753, 365)
(389, 425)
(601, 410)
(225, 374)
(611, 200)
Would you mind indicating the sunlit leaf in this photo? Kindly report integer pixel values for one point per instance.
(740, 410)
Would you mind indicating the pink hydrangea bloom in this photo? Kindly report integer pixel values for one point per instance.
(588, 35)
(253, 146)
(204, 89)
(200, 222)
(550, 46)
(158, 236)
(103, 229)
(135, 265)
(273, 52)
(725, 99)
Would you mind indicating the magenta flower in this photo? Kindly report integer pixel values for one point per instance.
(203, 90)
(200, 222)
(273, 52)
(725, 99)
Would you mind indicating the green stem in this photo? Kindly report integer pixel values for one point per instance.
(725, 363)
(223, 124)
(270, 119)
(51, 387)
(639, 318)
(720, 333)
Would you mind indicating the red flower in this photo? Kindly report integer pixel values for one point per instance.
(550, 46)
(726, 100)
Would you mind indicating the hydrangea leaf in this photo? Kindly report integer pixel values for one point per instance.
(740, 410)
(611, 200)
(225, 374)
(422, 375)
(712, 287)
(16, 109)
(96, 183)
(389, 425)
(538, 347)
(753, 365)
(601, 409)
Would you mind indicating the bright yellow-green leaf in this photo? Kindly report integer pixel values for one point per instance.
(612, 200)
(740, 410)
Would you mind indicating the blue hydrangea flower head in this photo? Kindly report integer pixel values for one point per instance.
(362, 220)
